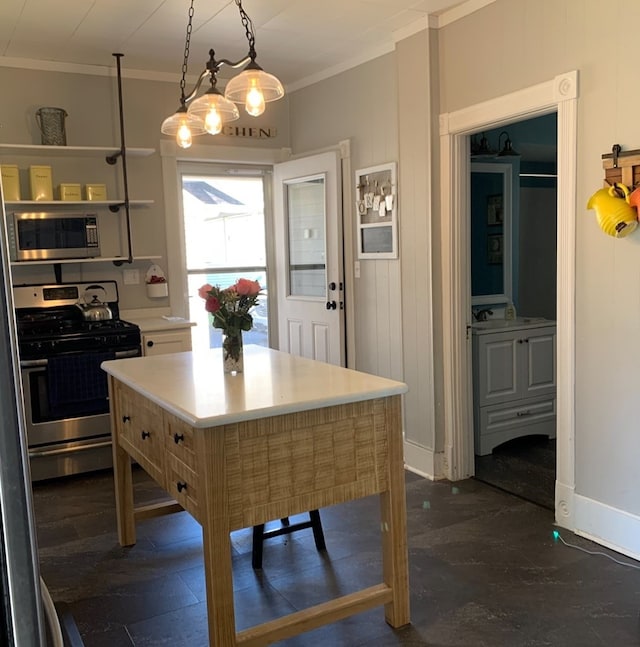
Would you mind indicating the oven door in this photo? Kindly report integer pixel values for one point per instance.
(55, 419)
(65, 424)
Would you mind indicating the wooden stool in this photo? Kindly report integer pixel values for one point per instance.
(259, 534)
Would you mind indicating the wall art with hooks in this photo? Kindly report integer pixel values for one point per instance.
(377, 211)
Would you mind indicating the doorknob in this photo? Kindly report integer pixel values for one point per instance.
(332, 285)
(331, 305)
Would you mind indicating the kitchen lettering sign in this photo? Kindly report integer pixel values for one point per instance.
(249, 131)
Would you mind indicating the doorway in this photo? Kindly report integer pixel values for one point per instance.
(524, 465)
(558, 94)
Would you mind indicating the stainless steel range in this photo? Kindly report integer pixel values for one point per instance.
(65, 331)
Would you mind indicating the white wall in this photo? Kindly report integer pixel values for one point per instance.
(535, 40)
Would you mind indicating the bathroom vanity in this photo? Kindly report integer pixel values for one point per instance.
(514, 380)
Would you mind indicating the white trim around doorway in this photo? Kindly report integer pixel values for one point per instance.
(560, 95)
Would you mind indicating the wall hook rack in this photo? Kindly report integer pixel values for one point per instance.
(622, 167)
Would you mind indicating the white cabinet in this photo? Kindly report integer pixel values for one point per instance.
(160, 342)
(514, 384)
(161, 334)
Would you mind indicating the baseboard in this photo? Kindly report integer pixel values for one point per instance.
(424, 462)
(608, 526)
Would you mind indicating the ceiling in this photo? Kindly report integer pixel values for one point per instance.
(299, 41)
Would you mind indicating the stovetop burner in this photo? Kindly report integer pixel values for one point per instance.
(50, 323)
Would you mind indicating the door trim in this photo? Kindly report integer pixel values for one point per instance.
(560, 95)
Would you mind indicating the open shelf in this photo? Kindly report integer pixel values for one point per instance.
(87, 151)
(76, 203)
(100, 259)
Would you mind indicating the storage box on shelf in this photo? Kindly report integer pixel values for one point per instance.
(514, 384)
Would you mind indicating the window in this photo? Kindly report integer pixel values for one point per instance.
(224, 233)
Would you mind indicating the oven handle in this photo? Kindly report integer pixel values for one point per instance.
(120, 354)
(67, 450)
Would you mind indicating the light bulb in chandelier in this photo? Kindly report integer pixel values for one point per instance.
(254, 88)
(214, 110)
(184, 126)
(183, 136)
(255, 103)
(213, 122)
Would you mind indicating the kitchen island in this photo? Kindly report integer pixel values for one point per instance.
(286, 436)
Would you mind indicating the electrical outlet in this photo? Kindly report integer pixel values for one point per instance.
(131, 277)
(356, 269)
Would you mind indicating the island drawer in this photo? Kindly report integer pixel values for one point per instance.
(139, 424)
(179, 440)
(182, 485)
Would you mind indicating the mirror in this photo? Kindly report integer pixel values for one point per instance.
(491, 226)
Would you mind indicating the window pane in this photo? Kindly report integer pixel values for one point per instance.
(223, 221)
(225, 241)
(307, 253)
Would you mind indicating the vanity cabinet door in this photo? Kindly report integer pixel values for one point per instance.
(495, 366)
(514, 364)
(539, 366)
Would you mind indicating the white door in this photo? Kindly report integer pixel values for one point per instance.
(308, 242)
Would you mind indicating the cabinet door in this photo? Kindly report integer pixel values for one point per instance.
(496, 377)
(160, 343)
(515, 364)
(538, 370)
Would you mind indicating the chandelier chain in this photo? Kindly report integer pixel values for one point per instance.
(248, 27)
(185, 63)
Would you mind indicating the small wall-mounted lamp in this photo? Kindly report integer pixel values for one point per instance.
(508, 149)
(484, 149)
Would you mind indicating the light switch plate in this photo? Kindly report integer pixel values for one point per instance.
(131, 277)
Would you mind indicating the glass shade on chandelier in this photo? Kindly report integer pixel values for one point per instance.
(213, 110)
(254, 88)
(184, 126)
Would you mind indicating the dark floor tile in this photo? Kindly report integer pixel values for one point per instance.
(484, 570)
(523, 466)
(186, 627)
(118, 637)
(130, 603)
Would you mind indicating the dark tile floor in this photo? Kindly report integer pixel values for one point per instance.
(485, 571)
(523, 466)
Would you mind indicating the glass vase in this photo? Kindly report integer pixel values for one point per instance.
(232, 357)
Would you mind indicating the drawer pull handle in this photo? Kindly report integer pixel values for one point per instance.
(521, 414)
(181, 486)
(177, 438)
(126, 418)
(145, 434)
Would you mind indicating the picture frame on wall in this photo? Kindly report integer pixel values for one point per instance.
(494, 249)
(377, 211)
(495, 210)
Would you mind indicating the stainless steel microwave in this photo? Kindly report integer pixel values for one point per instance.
(35, 236)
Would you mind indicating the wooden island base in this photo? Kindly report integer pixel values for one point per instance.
(239, 474)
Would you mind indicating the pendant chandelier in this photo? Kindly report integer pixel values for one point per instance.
(253, 87)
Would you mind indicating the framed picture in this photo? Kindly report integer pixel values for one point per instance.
(494, 249)
(376, 206)
(495, 213)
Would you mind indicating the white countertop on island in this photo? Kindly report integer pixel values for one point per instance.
(195, 389)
